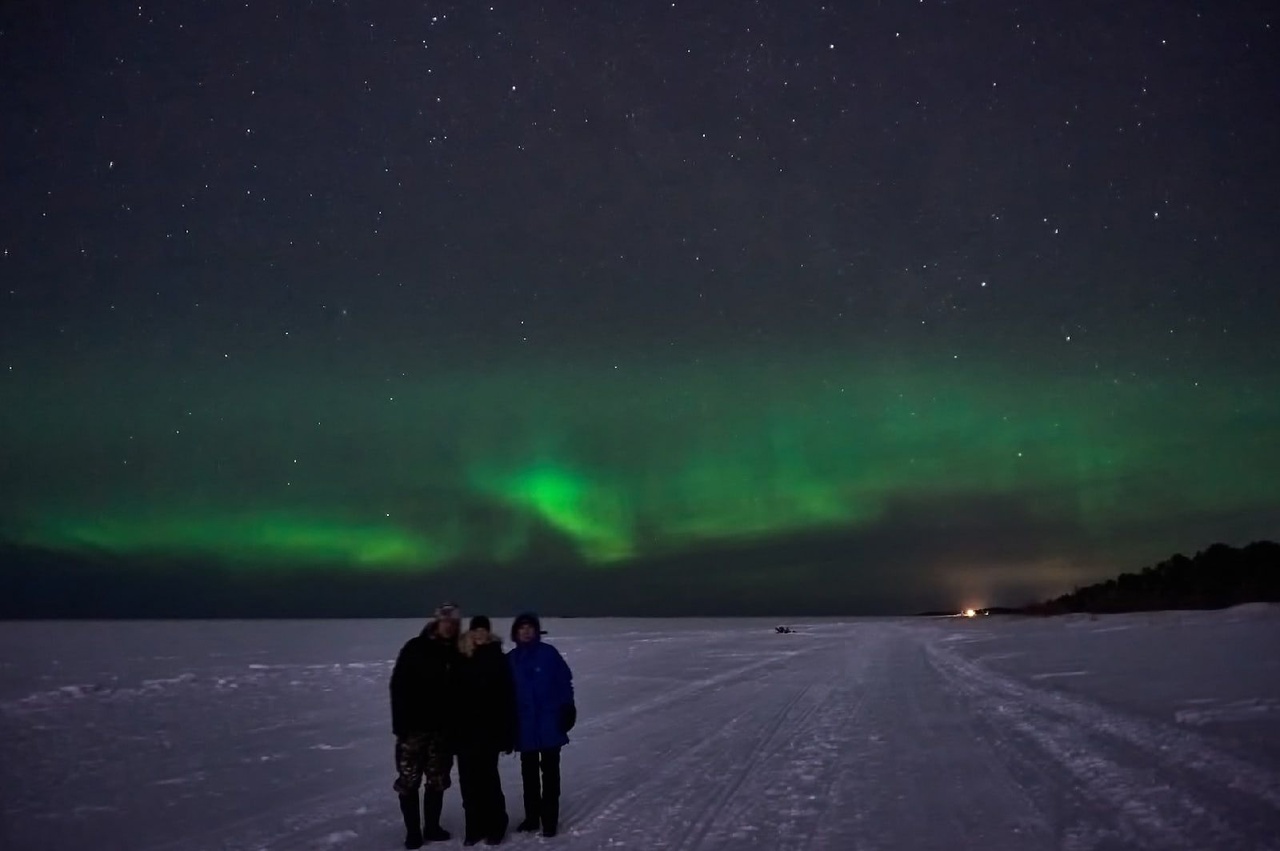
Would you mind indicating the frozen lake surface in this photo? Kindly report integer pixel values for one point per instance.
(1157, 731)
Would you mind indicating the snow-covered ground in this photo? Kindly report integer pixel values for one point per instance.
(1139, 731)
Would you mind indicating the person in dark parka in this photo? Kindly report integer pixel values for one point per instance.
(424, 715)
(545, 712)
(487, 728)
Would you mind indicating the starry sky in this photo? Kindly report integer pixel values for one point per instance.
(630, 308)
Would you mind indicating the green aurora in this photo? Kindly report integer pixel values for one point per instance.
(612, 461)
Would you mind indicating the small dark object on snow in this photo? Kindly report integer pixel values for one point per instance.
(783, 630)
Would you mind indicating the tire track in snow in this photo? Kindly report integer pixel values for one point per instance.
(794, 781)
(1171, 745)
(694, 784)
(1119, 801)
(691, 689)
(759, 776)
(785, 803)
(770, 747)
(707, 706)
(650, 720)
(915, 773)
(1158, 785)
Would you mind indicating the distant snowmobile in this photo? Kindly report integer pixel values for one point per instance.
(783, 630)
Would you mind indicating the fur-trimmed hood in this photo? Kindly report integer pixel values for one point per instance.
(467, 643)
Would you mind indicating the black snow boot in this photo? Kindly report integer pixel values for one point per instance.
(412, 826)
(550, 818)
(550, 811)
(497, 828)
(432, 806)
(474, 827)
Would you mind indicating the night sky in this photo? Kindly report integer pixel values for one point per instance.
(630, 308)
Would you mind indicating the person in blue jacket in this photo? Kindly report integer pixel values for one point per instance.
(545, 713)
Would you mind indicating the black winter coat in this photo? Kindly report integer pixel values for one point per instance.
(487, 701)
(423, 685)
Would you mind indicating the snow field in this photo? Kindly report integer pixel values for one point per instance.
(1129, 732)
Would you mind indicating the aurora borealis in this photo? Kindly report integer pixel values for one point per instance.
(508, 466)
(451, 337)
(475, 466)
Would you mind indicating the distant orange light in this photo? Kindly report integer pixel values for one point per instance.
(970, 613)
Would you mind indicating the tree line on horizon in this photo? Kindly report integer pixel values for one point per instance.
(1215, 578)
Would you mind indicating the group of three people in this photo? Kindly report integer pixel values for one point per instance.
(456, 694)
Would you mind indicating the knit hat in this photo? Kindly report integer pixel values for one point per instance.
(448, 612)
(481, 622)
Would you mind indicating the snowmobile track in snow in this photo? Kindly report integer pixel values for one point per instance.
(1161, 787)
(691, 788)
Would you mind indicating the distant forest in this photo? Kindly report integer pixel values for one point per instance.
(1218, 577)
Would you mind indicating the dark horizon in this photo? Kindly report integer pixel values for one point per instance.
(100, 589)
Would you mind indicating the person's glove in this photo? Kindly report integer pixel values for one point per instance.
(568, 717)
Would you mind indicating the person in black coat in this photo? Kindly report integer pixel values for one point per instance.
(487, 728)
(424, 719)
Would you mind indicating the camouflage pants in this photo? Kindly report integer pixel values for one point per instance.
(424, 758)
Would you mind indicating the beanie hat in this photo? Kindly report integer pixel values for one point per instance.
(448, 612)
(481, 622)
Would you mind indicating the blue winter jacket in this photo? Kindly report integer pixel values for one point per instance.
(544, 690)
